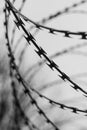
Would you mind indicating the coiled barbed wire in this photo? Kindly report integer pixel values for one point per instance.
(33, 101)
(16, 100)
(66, 33)
(49, 18)
(52, 65)
(28, 92)
(75, 110)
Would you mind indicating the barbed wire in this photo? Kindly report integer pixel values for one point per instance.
(33, 101)
(49, 18)
(62, 106)
(27, 91)
(16, 101)
(34, 69)
(56, 83)
(65, 10)
(30, 39)
(57, 54)
(60, 13)
(66, 33)
(51, 64)
(14, 28)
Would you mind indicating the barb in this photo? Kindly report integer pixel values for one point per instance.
(14, 28)
(66, 33)
(51, 64)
